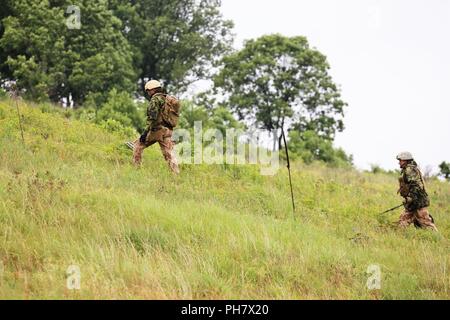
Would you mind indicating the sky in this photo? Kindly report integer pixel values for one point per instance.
(391, 59)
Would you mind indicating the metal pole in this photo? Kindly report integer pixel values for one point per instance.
(289, 170)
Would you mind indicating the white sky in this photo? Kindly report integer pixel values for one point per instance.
(391, 59)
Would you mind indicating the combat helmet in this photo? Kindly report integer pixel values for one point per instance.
(405, 156)
(152, 84)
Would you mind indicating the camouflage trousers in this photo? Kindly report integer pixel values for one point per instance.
(163, 137)
(421, 219)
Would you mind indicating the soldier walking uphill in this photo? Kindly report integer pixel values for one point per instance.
(162, 117)
(412, 189)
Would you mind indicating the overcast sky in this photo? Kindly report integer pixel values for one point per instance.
(391, 59)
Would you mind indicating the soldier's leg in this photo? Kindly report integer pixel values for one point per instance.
(406, 219)
(139, 148)
(137, 152)
(166, 144)
(424, 219)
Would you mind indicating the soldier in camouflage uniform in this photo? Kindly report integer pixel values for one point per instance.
(156, 131)
(412, 189)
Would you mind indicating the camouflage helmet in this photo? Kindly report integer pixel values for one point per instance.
(405, 156)
(152, 84)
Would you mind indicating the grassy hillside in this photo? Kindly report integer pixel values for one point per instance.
(71, 197)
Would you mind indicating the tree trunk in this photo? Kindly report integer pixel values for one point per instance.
(275, 138)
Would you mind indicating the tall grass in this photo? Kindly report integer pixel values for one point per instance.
(70, 196)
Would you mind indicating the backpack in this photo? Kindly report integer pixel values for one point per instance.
(170, 111)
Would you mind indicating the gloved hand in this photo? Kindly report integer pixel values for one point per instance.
(408, 200)
(143, 137)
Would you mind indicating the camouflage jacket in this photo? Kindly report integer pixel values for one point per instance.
(412, 188)
(156, 103)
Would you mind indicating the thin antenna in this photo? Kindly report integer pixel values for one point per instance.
(289, 170)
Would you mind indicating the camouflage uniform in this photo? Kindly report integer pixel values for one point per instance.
(157, 132)
(412, 188)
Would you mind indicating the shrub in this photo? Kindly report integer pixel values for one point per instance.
(113, 125)
(121, 107)
(309, 146)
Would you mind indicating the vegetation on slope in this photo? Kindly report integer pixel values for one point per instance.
(70, 196)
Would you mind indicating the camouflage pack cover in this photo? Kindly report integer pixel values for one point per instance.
(412, 188)
(170, 112)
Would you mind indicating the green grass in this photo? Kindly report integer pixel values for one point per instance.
(70, 196)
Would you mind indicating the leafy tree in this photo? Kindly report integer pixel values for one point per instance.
(121, 108)
(28, 39)
(219, 118)
(222, 119)
(192, 113)
(106, 56)
(445, 170)
(377, 169)
(3, 93)
(211, 118)
(120, 45)
(50, 60)
(4, 12)
(176, 41)
(276, 81)
(310, 147)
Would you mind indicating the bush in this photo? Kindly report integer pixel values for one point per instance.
(85, 114)
(3, 94)
(445, 170)
(218, 118)
(115, 126)
(309, 146)
(121, 107)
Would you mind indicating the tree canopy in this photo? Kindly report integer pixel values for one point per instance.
(276, 81)
(118, 46)
(176, 41)
(445, 170)
(309, 146)
(50, 60)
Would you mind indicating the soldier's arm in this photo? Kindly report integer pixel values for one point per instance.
(403, 189)
(152, 113)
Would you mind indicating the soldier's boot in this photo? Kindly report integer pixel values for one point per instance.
(424, 219)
